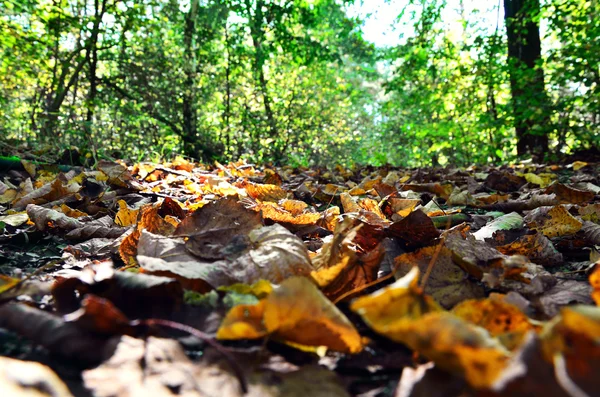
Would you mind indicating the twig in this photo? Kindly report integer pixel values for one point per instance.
(563, 378)
(435, 256)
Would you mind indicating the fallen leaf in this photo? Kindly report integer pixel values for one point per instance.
(52, 332)
(504, 222)
(15, 220)
(414, 231)
(571, 339)
(30, 379)
(537, 247)
(295, 312)
(553, 221)
(48, 193)
(595, 283)
(212, 227)
(498, 317)
(271, 253)
(447, 283)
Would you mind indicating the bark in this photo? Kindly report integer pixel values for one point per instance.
(190, 113)
(227, 111)
(92, 59)
(256, 31)
(530, 103)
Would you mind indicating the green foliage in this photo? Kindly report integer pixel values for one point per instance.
(287, 81)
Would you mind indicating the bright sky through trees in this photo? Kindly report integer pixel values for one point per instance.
(380, 18)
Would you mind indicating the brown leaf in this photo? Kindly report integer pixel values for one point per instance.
(591, 232)
(564, 293)
(569, 195)
(448, 284)
(537, 247)
(504, 181)
(572, 340)
(116, 173)
(48, 193)
(98, 228)
(270, 253)
(213, 227)
(100, 316)
(151, 221)
(340, 267)
(416, 230)
(45, 218)
(136, 295)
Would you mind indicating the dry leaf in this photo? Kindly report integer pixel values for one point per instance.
(553, 221)
(29, 379)
(295, 312)
(448, 284)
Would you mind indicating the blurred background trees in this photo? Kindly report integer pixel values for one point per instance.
(295, 80)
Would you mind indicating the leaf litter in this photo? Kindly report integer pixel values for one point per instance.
(190, 279)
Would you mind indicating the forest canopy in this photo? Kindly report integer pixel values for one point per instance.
(295, 81)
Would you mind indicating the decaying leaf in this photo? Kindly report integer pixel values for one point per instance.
(498, 317)
(448, 284)
(133, 294)
(340, 267)
(553, 221)
(215, 225)
(415, 230)
(537, 247)
(572, 340)
(55, 334)
(270, 253)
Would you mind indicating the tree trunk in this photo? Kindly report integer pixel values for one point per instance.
(256, 31)
(531, 105)
(92, 57)
(190, 113)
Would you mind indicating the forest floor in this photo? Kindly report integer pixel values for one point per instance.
(229, 280)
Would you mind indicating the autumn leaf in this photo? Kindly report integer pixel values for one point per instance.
(295, 312)
(447, 283)
(553, 221)
(402, 313)
(270, 253)
(498, 317)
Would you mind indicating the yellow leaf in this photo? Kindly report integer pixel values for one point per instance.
(553, 222)
(260, 289)
(244, 322)
(298, 312)
(7, 283)
(295, 312)
(389, 310)
(577, 165)
(126, 216)
(496, 316)
(402, 313)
